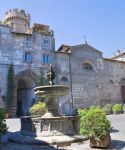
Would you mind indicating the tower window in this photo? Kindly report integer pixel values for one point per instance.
(45, 59)
(46, 43)
(28, 41)
(28, 57)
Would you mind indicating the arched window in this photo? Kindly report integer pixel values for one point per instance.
(111, 82)
(87, 66)
(64, 79)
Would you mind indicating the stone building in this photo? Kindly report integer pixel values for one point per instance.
(30, 50)
(93, 80)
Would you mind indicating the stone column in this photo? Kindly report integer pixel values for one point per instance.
(52, 107)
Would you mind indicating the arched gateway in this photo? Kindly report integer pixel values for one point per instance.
(24, 96)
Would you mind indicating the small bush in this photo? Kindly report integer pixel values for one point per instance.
(123, 108)
(3, 126)
(94, 106)
(117, 108)
(108, 109)
(38, 109)
(93, 123)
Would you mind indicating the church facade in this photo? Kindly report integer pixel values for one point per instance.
(93, 80)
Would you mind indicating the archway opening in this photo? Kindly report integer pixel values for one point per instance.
(122, 83)
(25, 95)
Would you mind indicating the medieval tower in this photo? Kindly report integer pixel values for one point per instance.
(30, 50)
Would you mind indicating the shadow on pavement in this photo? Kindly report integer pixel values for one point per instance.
(117, 144)
(114, 130)
(17, 139)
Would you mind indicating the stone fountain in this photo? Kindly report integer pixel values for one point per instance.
(51, 92)
(52, 124)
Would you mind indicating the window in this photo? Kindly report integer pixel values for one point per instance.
(87, 66)
(28, 57)
(111, 82)
(64, 79)
(45, 59)
(28, 41)
(45, 43)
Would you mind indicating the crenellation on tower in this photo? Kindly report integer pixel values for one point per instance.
(18, 19)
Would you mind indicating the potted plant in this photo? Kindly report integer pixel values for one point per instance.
(95, 126)
(117, 108)
(123, 108)
(3, 126)
(108, 109)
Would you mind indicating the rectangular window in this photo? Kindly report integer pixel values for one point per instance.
(28, 57)
(45, 59)
(28, 41)
(46, 43)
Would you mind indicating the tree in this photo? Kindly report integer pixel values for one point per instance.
(41, 79)
(10, 87)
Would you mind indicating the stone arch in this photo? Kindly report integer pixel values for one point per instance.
(28, 73)
(64, 79)
(24, 76)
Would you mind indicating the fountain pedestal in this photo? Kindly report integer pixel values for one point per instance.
(50, 126)
(52, 107)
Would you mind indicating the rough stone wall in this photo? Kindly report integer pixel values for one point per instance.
(90, 87)
(12, 49)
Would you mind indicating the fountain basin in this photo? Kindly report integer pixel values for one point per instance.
(50, 126)
(51, 90)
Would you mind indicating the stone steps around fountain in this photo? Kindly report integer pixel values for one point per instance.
(59, 141)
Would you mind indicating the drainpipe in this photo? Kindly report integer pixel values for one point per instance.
(70, 74)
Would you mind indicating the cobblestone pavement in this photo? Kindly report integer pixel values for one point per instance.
(117, 136)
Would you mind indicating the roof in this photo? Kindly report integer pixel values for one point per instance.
(87, 45)
(65, 48)
(114, 60)
(116, 56)
(40, 27)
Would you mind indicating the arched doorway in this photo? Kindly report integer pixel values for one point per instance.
(122, 85)
(25, 95)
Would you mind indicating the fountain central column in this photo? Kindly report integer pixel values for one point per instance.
(52, 107)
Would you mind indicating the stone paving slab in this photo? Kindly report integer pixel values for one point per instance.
(53, 140)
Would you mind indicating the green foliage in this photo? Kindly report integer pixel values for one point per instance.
(123, 107)
(117, 108)
(3, 126)
(10, 87)
(93, 123)
(93, 106)
(41, 79)
(38, 109)
(82, 112)
(108, 109)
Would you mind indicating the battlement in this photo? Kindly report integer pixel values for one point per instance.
(19, 19)
(16, 13)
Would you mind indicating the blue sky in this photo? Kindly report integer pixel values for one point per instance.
(101, 21)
